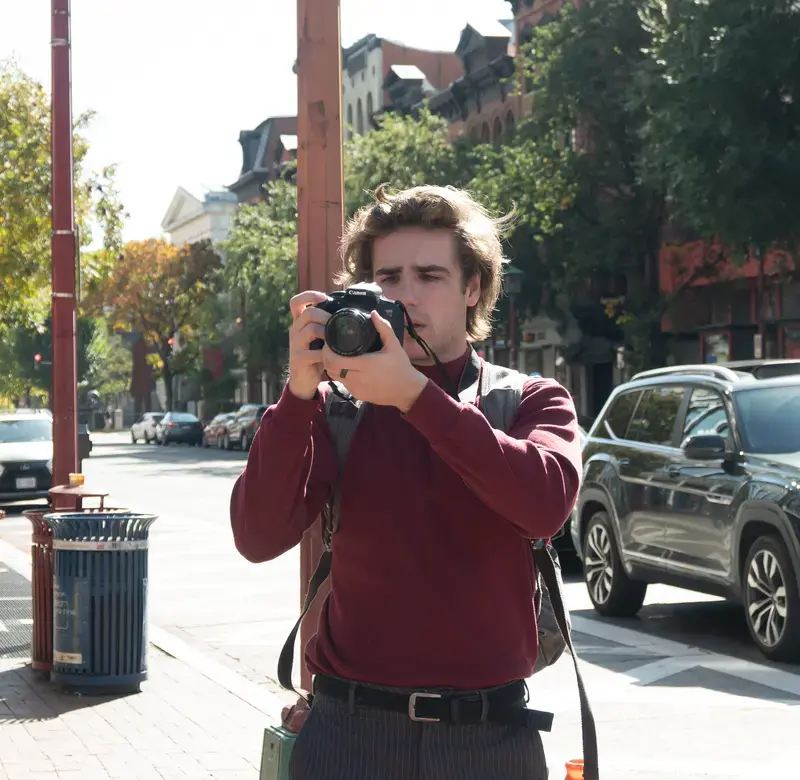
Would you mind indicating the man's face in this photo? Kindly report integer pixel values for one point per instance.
(420, 267)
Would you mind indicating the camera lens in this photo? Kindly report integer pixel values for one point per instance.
(350, 332)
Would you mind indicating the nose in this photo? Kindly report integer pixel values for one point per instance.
(405, 292)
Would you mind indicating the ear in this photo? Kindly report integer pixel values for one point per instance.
(473, 290)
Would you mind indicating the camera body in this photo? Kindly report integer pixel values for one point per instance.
(349, 331)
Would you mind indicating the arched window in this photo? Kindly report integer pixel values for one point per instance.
(359, 117)
(350, 121)
(510, 123)
(370, 109)
(497, 131)
(485, 136)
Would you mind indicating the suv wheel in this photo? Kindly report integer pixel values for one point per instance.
(612, 592)
(771, 600)
(133, 438)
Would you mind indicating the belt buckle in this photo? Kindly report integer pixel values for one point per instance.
(412, 706)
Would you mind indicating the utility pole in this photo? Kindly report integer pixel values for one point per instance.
(320, 198)
(65, 373)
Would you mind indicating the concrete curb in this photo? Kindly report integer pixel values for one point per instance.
(168, 643)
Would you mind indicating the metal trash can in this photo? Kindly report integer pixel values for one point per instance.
(100, 600)
(41, 591)
(42, 587)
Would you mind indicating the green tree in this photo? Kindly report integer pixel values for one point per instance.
(404, 151)
(573, 168)
(723, 77)
(25, 197)
(261, 276)
(109, 363)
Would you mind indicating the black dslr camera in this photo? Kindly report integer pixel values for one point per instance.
(349, 331)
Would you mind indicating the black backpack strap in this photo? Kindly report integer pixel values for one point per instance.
(544, 564)
(343, 417)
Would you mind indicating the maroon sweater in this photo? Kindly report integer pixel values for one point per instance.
(432, 577)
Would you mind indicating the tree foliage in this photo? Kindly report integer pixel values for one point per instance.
(723, 130)
(261, 275)
(157, 289)
(403, 151)
(25, 178)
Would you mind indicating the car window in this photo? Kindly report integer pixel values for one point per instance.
(183, 417)
(705, 415)
(656, 416)
(619, 415)
(769, 419)
(25, 430)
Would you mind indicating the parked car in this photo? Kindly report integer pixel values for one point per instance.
(692, 478)
(562, 541)
(242, 428)
(145, 427)
(214, 432)
(765, 369)
(26, 455)
(179, 428)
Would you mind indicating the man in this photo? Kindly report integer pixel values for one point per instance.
(431, 606)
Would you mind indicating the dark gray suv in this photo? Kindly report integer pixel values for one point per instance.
(692, 478)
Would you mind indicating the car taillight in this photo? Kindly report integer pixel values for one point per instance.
(172, 425)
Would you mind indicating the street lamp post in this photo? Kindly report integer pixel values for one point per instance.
(63, 248)
(320, 199)
(512, 285)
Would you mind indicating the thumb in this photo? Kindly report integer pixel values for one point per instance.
(385, 331)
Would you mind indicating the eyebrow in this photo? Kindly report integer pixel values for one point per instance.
(419, 268)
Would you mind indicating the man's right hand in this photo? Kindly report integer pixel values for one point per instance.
(305, 365)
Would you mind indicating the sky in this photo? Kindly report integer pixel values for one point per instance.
(172, 82)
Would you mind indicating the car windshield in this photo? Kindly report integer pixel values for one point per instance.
(769, 419)
(183, 417)
(25, 430)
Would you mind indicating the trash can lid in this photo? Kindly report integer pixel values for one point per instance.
(102, 525)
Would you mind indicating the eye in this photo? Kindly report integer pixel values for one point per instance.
(430, 277)
(391, 279)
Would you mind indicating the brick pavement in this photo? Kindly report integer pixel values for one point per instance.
(185, 722)
(182, 725)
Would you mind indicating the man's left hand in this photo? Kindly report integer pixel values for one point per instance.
(385, 378)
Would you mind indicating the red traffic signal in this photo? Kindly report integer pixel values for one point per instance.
(37, 357)
(171, 342)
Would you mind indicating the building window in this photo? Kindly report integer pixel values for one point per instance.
(510, 123)
(370, 107)
(359, 117)
(350, 121)
(485, 136)
(497, 133)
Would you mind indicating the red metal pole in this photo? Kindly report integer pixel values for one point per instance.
(320, 196)
(65, 374)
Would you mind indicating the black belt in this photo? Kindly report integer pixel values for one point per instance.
(505, 705)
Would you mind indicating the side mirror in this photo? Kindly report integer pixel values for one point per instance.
(705, 447)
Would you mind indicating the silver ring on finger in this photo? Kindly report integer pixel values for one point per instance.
(343, 373)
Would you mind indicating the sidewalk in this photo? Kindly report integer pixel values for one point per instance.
(183, 724)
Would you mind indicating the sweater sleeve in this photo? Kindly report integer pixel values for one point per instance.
(282, 490)
(531, 475)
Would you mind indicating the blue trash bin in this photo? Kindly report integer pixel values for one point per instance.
(100, 600)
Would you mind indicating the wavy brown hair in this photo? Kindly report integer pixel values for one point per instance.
(478, 238)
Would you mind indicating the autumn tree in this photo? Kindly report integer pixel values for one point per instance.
(157, 289)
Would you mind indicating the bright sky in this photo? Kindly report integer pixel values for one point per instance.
(174, 81)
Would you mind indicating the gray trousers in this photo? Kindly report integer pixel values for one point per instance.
(338, 742)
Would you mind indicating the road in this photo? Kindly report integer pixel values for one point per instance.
(682, 681)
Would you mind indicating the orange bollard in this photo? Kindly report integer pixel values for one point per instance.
(575, 769)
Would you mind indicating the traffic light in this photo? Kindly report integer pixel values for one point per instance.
(37, 359)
